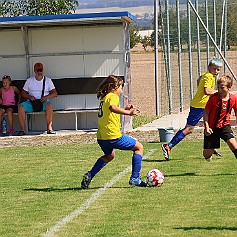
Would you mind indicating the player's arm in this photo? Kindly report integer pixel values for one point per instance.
(208, 130)
(129, 106)
(207, 85)
(209, 91)
(198, 80)
(236, 115)
(235, 107)
(118, 110)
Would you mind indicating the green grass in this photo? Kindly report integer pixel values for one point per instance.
(41, 185)
(139, 120)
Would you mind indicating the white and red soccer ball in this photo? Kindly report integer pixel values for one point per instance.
(155, 178)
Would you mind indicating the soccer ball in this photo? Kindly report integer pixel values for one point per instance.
(155, 178)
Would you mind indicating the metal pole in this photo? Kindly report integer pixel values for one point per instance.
(219, 51)
(198, 43)
(214, 23)
(164, 42)
(179, 58)
(190, 51)
(156, 43)
(225, 35)
(168, 55)
(207, 39)
(25, 32)
(222, 23)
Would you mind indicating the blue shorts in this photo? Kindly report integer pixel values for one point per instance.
(124, 142)
(194, 116)
(28, 106)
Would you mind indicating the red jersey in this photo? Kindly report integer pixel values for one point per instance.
(220, 110)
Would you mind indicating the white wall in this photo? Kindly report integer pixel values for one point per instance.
(66, 52)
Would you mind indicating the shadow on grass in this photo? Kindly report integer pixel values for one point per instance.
(184, 174)
(52, 189)
(207, 228)
(151, 161)
(68, 189)
(194, 174)
(158, 142)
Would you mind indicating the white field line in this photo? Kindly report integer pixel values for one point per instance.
(90, 200)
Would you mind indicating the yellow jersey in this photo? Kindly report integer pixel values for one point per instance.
(200, 99)
(108, 122)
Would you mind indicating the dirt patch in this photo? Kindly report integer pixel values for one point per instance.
(144, 94)
(86, 138)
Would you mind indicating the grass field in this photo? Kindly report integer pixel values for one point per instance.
(40, 191)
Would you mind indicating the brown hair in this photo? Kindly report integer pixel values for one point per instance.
(227, 79)
(7, 77)
(107, 85)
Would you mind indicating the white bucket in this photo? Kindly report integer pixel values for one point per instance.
(166, 134)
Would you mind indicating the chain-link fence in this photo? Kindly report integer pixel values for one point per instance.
(191, 33)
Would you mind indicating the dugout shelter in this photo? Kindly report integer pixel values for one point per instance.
(78, 51)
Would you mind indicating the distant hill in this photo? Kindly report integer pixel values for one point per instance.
(113, 3)
(85, 4)
(87, 1)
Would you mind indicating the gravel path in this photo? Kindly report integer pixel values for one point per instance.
(80, 138)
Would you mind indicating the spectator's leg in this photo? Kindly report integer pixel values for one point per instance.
(21, 117)
(49, 116)
(2, 111)
(10, 117)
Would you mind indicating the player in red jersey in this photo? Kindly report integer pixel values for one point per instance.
(217, 118)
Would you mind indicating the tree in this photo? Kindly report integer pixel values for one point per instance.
(37, 7)
(134, 36)
(145, 42)
(232, 24)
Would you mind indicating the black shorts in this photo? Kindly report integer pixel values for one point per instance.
(213, 141)
(5, 107)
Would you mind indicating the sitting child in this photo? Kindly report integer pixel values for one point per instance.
(7, 101)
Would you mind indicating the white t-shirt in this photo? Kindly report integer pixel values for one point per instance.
(34, 87)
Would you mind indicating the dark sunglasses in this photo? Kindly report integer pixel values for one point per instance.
(39, 70)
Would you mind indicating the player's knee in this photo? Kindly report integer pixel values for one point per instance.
(190, 130)
(138, 148)
(108, 158)
(235, 153)
(207, 154)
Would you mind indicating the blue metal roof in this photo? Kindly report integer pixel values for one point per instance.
(85, 17)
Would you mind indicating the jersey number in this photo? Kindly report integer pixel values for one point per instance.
(100, 113)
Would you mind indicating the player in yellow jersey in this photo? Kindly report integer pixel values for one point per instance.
(109, 136)
(206, 87)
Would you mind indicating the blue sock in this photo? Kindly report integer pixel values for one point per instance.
(99, 164)
(136, 165)
(179, 136)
